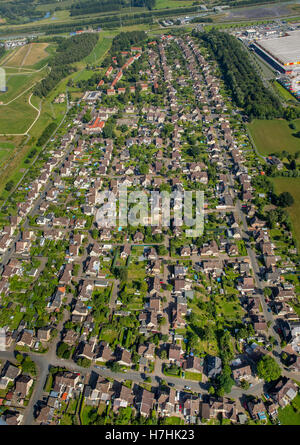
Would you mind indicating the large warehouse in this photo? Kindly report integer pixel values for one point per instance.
(283, 53)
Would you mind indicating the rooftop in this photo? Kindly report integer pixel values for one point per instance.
(285, 49)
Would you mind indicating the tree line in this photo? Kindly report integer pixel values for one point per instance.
(107, 21)
(20, 11)
(92, 7)
(125, 40)
(46, 134)
(246, 87)
(68, 51)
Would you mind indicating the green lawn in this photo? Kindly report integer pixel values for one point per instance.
(163, 4)
(49, 383)
(288, 416)
(17, 83)
(99, 50)
(18, 316)
(274, 135)
(193, 376)
(173, 420)
(72, 406)
(284, 92)
(291, 185)
(84, 415)
(5, 150)
(17, 116)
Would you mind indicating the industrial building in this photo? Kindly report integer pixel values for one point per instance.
(282, 53)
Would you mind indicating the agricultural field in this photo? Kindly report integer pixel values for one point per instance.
(274, 135)
(29, 55)
(291, 185)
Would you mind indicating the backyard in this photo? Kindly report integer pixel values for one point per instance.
(290, 415)
(291, 185)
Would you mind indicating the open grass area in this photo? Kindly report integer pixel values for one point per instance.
(173, 420)
(14, 167)
(193, 376)
(274, 135)
(288, 415)
(5, 150)
(17, 83)
(163, 4)
(84, 414)
(284, 92)
(16, 117)
(99, 50)
(291, 185)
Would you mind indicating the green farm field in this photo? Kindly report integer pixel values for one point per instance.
(274, 135)
(291, 185)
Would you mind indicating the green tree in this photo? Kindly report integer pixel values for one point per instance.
(28, 366)
(115, 367)
(285, 199)
(225, 381)
(268, 369)
(61, 349)
(245, 384)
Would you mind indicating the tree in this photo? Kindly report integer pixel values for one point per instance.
(267, 292)
(162, 321)
(226, 347)
(144, 169)
(61, 349)
(211, 390)
(224, 381)
(245, 384)
(19, 358)
(285, 199)
(28, 366)
(242, 333)
(115, 367)
(123, 274)
(297, 135)
(163, 354)
(268, 369)
(84, 362)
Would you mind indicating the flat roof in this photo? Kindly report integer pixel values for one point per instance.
(284, 49)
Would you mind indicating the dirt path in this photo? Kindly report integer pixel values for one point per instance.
(26, 55)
